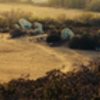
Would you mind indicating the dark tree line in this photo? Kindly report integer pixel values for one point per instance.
(68, 3)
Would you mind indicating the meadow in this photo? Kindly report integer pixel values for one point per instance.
(44, 12)
(24, 62)
(22, 54)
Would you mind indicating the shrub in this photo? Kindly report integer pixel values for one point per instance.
(85, 42)
(85, 17)
(81, 85)
(16, 33)
(53, 40)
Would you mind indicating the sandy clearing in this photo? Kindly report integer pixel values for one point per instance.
(18, 58)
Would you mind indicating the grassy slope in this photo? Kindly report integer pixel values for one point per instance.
(43, 12)
(21, 57)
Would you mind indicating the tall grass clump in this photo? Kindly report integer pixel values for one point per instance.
(88, 19)
(9, 18)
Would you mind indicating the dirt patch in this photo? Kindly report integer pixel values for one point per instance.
(20, 57)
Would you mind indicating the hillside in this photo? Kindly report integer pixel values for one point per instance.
(44, 12)
(21, 57)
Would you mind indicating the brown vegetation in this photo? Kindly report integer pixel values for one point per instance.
(81, 85)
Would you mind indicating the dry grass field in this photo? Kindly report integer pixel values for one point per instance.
(21, 57)
(44, 12)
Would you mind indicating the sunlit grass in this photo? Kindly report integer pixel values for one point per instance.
(43, 12)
